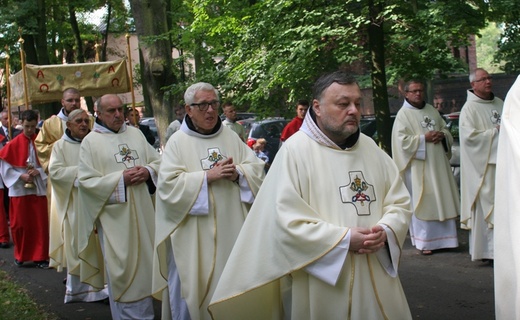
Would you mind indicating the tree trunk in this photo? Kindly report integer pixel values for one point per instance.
(157, 72)
(376, 44)
(105, 36)
(41, 39)
(80, 57)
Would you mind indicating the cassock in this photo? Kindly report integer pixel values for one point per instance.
(28, 206)
(125, 213)
(4, 226)
(507, 205)
(199, 222)
(291, 259)
(426, 171)
(63, 248)
(478, 151)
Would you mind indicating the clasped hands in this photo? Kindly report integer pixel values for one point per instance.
(28, 177)
(224, 169)
(135, 175)
(434, 136)
(367, 240)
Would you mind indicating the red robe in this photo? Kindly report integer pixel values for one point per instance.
(291, 128)
(27, 214)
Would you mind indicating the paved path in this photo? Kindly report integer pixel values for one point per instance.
(445, 285)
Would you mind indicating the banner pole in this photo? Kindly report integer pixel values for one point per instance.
(130, 74)
(24, 71)
(8, 87)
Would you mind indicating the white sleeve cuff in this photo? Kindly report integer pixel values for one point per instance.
(201, 205)
(328, 268)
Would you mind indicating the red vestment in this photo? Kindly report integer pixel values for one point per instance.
(28, 213)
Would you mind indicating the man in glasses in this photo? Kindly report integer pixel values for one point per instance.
(63, 172)
(207, 182)
(421, 146)
(53, 128)
(479, 127)
(117, 174)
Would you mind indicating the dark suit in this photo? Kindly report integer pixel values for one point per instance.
(14, 133)
(147, 133)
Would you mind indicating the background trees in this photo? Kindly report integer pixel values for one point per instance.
(265, 54)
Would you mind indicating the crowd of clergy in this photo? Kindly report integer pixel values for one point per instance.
(203, 228)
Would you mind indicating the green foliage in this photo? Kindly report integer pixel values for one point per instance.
(506, 13)
(267, 54)
(487, 45)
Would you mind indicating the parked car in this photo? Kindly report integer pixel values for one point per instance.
(150, 122)
(368, 126)
(241, 116)
(270, 130)
(247, 124)
(452, 123)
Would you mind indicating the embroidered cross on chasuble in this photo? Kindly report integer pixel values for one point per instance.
(358, 193)
(214, 156)
(126, 156)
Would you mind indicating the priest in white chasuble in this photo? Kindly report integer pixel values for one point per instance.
(63, 172)
(117, 173)
(324, 236)
(507, 210)
(207, 181)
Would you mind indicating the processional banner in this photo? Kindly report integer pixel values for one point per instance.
(46, 83)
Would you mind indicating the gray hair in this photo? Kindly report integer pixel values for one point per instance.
(189, 95)
(473, 74)
(75, 113)
(409, 82)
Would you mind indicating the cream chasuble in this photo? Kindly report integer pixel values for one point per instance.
(478, 143)
(201, 242)
(313, 194)
(126, 213)
(63, 169)
(507, 210)
(434, 191)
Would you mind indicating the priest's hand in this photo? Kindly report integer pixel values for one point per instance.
(135, 175)
(434, 136)
(33, 172)
(224, 169)
(367, 240)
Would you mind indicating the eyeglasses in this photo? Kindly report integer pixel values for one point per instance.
(203, 106)
(416, 91)
(78, 121)
(484, 79)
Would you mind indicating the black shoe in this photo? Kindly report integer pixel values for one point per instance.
(42, 264)
(4, 245)
(18, 263)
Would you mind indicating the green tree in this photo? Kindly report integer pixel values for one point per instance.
(507, 14)
(487, 46)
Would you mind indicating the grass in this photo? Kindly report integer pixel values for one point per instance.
(17, 304)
